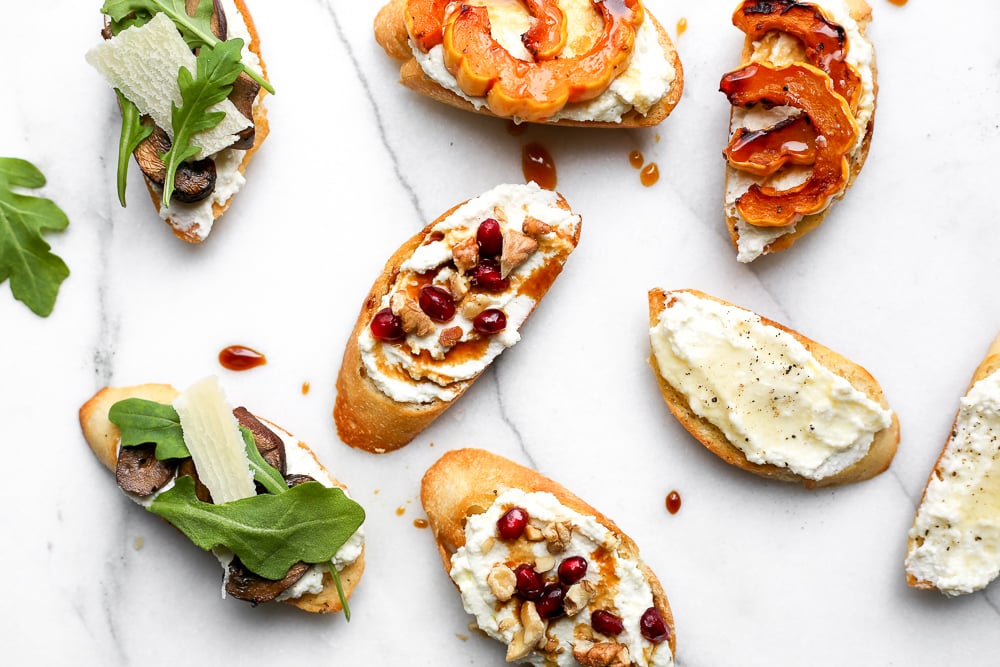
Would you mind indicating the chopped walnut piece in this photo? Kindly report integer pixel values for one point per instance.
(603, 654)
(534, 626)
(502, 582)
(517, 649)
(552, 647)
(578, 596)
(474, 305)
(466, 254)
(533, 533)
(450, 337)
(499, 214)
(506, 624)
(558, 535)
(535, 227)
(487, 545)
(517, 248)
(458, 285)
(415, 321)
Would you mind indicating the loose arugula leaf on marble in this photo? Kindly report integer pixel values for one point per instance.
(216, 70)
(196, 30)
(141, 421)
(133, 133)
(26, 259)
(269, 532)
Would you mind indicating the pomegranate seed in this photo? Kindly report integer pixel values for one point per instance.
(490, 238)
(572, 570)
(550, 604)
(606, 623)
(653, 627)
(528, 582)
(436, 302)
(512, 523)
(490, 321)
(386, 326)
(486, 276)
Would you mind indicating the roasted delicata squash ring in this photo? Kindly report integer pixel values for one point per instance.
(763, 152)
(811, 90)
(547, 35)
(424, 20)
(825, 41)
(529, 90)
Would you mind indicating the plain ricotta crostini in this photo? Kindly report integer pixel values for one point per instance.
(954, 543)
(765, 398)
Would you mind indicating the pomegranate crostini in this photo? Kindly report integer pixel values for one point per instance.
(602, 63)
(541, 570)
(803, 112)
(447, 303)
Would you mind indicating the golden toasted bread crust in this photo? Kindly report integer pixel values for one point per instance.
(367, 418)
(878, 458)
(261, 129)
(103, 437)
(390, 33)
(862, 13)
(989, 365)
(464, 482)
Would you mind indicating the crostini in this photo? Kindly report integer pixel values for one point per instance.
(803, 111)
(954, 543)
(283, 529)
(607, 63)
(190, 89)
(541, 570)
(447, 303)
(765, 398)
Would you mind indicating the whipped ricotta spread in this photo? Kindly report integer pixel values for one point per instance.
(421, 369)
(782, 49)
(197, 219)
(298, 461)
(955, 538)
(645, 81)
(620, 585)
(762, 388)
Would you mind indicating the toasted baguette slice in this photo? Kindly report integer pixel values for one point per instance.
(954, 541)
(391, 34)
(874, 460)
(465, 492)
(104, 440)
(368, 416)
(736, 183)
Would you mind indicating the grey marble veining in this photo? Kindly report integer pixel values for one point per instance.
(901, 278)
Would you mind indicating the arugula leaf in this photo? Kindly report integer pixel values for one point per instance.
(133, 133)
(142, 421)
(196, 30)
(216, 70)
(35, 272)
(263, 472)
(269, 532)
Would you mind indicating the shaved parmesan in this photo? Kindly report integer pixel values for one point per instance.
(143, 61)
(212, 435)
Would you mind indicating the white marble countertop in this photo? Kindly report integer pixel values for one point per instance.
(902, 278)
